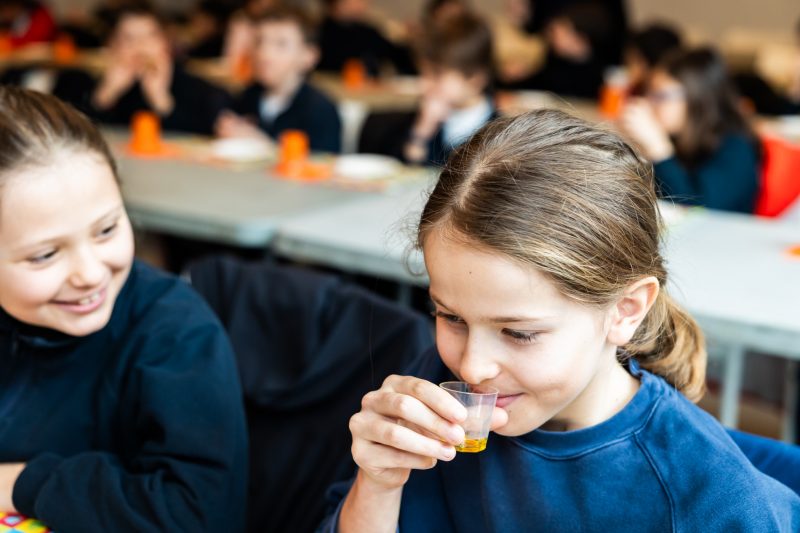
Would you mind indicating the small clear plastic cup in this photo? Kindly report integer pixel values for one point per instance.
(479, 402)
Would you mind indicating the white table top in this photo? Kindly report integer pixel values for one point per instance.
(200, 201)
(729, 270)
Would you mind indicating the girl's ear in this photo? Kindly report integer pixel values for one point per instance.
(630, 309)
(311, 57)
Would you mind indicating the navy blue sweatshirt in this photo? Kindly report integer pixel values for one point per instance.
(137, 427)
(660, 464)
(727, 180)
(309, 111)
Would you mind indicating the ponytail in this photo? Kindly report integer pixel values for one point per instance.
(669, 343)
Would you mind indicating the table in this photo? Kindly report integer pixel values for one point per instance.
(241, 208)
(729, 270)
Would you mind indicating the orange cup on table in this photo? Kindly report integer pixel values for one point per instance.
(146, 133)
(293, 153)
(64, 49)
(613, 93)
(354, 74)
(243, 69)
(6, 45)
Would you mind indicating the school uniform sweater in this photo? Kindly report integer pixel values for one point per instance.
(197, 104)
(136, 427)
(661, 465)
(309, 110)
(726, 180)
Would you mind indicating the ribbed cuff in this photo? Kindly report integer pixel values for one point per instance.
(31, 480)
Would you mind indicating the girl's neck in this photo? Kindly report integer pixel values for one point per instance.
(609, 391)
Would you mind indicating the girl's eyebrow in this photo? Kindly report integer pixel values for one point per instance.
(497, 319)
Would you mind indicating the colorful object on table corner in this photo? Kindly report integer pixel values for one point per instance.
(14, 523)
(793, 252)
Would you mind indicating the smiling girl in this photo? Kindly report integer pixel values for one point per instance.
(120, 407)
(541, 240)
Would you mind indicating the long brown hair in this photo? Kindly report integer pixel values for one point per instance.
(577, 203)
(35, 126)
(712, 103)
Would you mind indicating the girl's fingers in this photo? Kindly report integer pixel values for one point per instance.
(378, 429)
(413, 411)
(433, 396)
(381, 457)
(499, 418)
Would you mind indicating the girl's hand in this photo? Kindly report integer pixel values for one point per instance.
(8, 477)
(640, 124)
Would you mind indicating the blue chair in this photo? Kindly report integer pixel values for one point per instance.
(776, 459)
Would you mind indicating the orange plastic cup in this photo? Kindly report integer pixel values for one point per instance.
(612, 100)
(6, 46)
(64, 49)
(354, 74)
(145, 133)
(293, 153)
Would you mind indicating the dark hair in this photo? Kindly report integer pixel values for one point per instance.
(295, 15)
(34, 126)
(433, 6)
(591, 20)
(655, 42)
(135, 8)
(712, 103)
(462, 43)
(578, 204)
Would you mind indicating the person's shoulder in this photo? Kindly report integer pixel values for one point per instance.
(315, 100)
(708, 478)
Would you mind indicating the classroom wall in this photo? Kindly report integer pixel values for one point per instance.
(708, 17)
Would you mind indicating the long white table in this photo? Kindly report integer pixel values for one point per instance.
(730, 271)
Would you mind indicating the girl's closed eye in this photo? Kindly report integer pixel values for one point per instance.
(43, 257)
(521, 337)
(108, 230)
(453, 319)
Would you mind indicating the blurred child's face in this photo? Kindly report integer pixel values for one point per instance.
(566, 42)
(505, 325)
(66, 245)
(635, 67)
(668, 98)
(351, 9)
(139, 38)
(450, 85)
(281, 53)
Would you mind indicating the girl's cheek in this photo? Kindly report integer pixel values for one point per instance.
(450, 347)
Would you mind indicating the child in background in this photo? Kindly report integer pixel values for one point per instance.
(142, 75)
(691, 127)
(541, 240)
(646, 49)
(26, 22)
(455, 63)
(346, 34)
(281, 98)
(120, 404)
(582, 45)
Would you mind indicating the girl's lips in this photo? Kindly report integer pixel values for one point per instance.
(85, 305)
(503, 401)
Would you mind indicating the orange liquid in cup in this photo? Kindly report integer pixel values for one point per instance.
(354, 74)
(612, 100)
(64, 50)
(145, 133)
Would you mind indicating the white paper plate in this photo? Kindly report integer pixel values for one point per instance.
(242, 150)
(366, 166)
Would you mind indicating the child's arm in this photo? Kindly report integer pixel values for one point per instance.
(8, 476)
(180, 452)
(409, 423)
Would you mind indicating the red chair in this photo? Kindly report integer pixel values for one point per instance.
(780, 176)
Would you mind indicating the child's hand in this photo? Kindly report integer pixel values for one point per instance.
(156, 78)
(408, 423)
(639, 123)
(118, 78)
(8, 477)
(433, 111)
(231, 125)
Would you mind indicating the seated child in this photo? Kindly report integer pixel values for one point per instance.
(142, 75)
(542, 243)
(120, 403)
(646, 49)
(281, 98)
(455, 63)
(690, 125)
